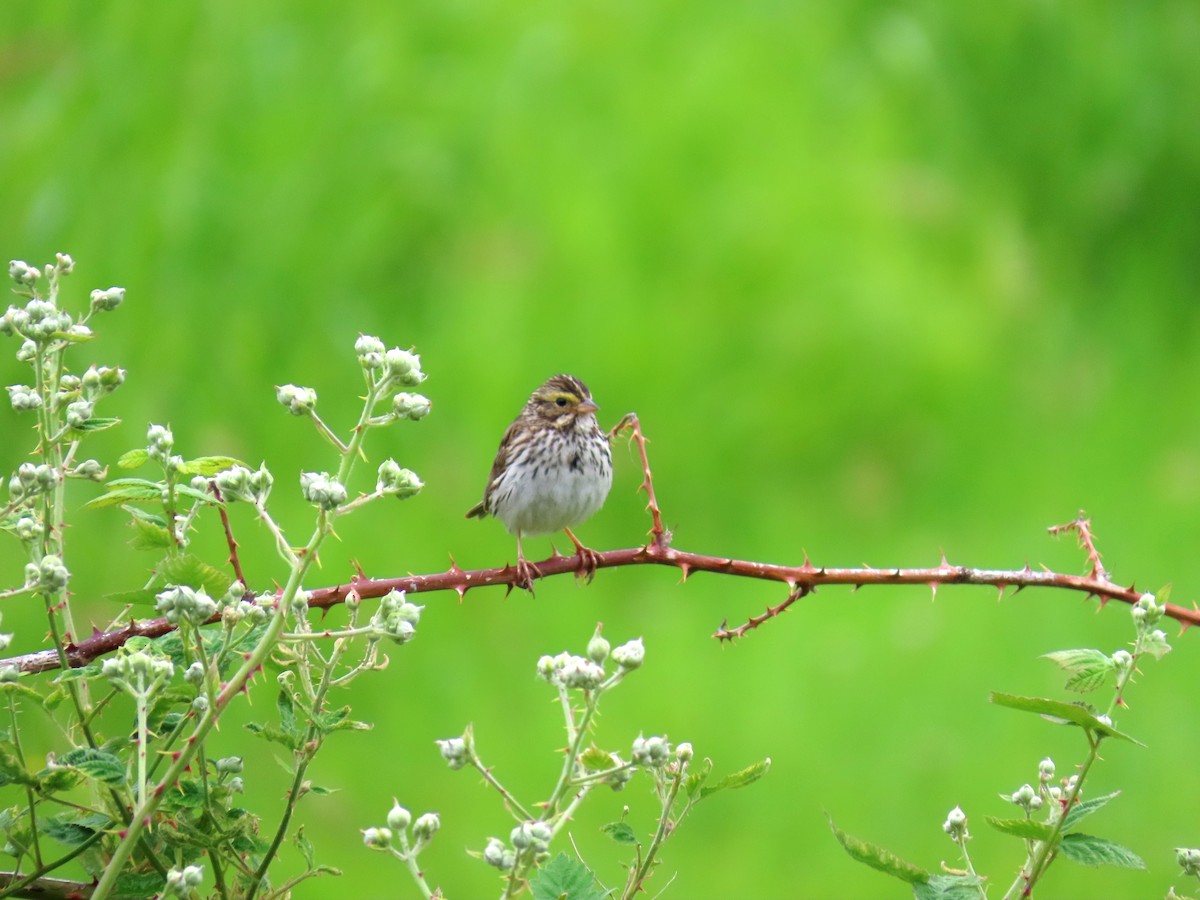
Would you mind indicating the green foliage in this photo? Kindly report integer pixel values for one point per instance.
(564, 878)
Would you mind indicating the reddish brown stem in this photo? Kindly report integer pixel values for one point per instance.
(799, 580)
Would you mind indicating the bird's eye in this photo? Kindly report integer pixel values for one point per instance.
(560, 401)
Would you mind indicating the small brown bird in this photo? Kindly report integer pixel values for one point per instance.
(553, 470)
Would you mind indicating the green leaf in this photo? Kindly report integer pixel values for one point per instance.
(187, 793)
(305, 846)
(184, 490)
(1084, 808)
(97, 764)
(1088, 850)
(878, 858)
(564, 878)
(286, 708)
(595, 759)
(72, 831)
(621, 832)
(125, 490)
(949, 887)
(148, 535)
(11, 770)
(138, 886)
(139, 597)
(132, 459)
(190, 570)
(1088, 668)
(697, 775)
(209, 465)
(138, 513)
(1022, 828)
(98, 423)
(1062, 713)
(746, 776)
(75, 675)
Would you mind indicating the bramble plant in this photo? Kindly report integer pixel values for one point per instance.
(158, 815)
(145, 808)
(1050, 813)
(580, 682)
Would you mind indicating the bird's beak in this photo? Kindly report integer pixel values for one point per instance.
(587, 406)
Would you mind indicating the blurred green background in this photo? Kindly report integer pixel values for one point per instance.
(880, 280)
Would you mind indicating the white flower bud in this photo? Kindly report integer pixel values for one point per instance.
(377, 838)
(399, 817)
(299, 401)
(404, 367)
(426, 826)
(630, 655)
(410, 406)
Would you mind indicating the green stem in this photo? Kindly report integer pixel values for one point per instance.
(664, 823)
(29, 793)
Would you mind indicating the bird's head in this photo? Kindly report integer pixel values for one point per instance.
(563, 401)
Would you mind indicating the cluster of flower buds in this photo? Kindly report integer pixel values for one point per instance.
(396, 618)
(534, 837)
(159, 442)
(129, 669)
(496, 854)
(956, 825)
(1146, 614)
(183, 882)
(398, 482)
(454, 751)
(239, 483)
(41, 321)
(30, 480)
(299, 401)
(1027, 798)
(49, 576)
(184, 604)
(322, 490)
(653, 752)
(570, 671)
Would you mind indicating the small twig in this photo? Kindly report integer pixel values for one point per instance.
(230, 541)
(725, 633)
(660, 537)
(1082, 526)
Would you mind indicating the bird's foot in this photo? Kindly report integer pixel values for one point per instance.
(589, 559)
(526, 573)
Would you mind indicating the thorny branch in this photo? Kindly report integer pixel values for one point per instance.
(799, 580)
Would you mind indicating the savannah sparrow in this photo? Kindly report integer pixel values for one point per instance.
(553, 470)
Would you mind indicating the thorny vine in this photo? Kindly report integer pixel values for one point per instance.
(800, 580)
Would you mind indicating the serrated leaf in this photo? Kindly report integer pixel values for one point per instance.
(72, 832)
(139, 597)
(190, 570)
(75, 675)
(1022, 828)
(145, 515)
(1084, 808)
(11, 770)
(1088, 850)
(98, 764)
(1089, 668)
(271, 733)
(184, 490)
(878, 858)
(126, 490)
(746, 776)
(621, 832)
(138, 885)
(149, 536)
(286, 708)
(697, 775)
(99, 423)
(1062, 713)
(132, 459)
(595, 759)
(187, 793)
(564, 878)
(209, 465)
(949, 887)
